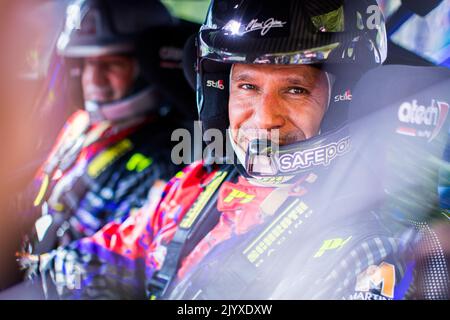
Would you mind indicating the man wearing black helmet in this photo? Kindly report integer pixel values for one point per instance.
(110, 153)
(289, 219)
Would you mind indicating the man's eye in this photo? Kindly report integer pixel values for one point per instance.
(117, 66)
(247, 86)
(297, 90)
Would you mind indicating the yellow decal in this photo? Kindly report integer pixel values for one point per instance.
(104, 159)
(275, 230)
(58, 207)
(331, 244)
(380, 277)
(274, 180)
(94, 134)
(236, 194)
(202, 200)
(179, 175)
(138, 162)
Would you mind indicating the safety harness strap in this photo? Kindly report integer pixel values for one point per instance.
(196, 223)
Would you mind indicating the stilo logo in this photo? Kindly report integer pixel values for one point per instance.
(215, 84)
(419, 115)
(347, 96)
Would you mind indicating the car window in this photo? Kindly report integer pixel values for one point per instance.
(191, 10)
(429, 36)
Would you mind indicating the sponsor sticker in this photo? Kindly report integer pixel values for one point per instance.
(347, 96)
(422, 121)
(376, 280)
(332, 244)
(322, 155)
(277, 232)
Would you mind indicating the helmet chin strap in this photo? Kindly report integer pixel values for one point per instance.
(258, 181)
(125, 109)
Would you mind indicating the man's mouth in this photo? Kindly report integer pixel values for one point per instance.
(243, 138)
(99, 95)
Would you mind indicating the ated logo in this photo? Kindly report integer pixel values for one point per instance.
(215, 84)
(422, 121)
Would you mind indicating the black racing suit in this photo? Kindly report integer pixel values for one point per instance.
(96, 174)
(333, 235)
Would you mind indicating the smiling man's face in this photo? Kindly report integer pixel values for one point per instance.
(290, 99)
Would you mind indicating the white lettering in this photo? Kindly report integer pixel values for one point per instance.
(312, 157)
(418, 114)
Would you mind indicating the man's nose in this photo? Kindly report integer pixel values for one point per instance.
(268, 113)
(96, 74)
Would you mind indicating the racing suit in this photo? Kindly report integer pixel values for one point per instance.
(95, 173)
(246, 241)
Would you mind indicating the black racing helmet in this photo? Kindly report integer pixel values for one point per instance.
(103, 27)
(99, 27)
(344, 38)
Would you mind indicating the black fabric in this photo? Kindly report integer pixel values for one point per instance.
(289, 269)
(185, 240)
(160, 53)
(421, 8)
(400, 121)
(399, 55)
(401, 115)
(375, 91)
(110, 195)
(215, 90)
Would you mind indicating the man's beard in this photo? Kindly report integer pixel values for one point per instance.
(243, 136)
